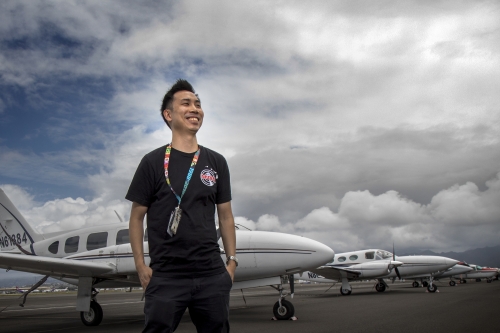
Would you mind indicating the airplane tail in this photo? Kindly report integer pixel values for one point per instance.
(16, 235)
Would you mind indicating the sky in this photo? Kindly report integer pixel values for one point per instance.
(355, 123)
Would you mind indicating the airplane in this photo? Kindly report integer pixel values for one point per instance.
(101, 257)
(451, 272)
(477, 273)
(376, 264)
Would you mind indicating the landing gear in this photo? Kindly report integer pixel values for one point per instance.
(345, 292)
(415, 284)
(488, 280)
(432, 288)
(94, 316)
(463, 281)
(283, 309)
(452, 283)
(380, 287)
(478, 280)
(425, 284)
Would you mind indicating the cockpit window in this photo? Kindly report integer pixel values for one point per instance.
(384, 255)
(54, 247)
(341, 259)
(353, 257)
(370, 255)
(71, 244)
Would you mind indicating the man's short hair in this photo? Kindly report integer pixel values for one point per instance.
(180, 85)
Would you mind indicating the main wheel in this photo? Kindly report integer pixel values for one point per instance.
(464, 281)
(488, 280)
(478, 280)
(345, 292)
(415, 284)
(425, 283)
(432, 288)
(285, 311)
(452, 283)
(94, 316)
(380, 287)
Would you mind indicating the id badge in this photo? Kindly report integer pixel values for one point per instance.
(173, 223)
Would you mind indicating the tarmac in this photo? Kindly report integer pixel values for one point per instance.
(470, 307)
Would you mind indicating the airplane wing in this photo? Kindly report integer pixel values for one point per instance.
(336, 273)
(53, 266)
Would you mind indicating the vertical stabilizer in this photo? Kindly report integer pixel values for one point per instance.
(16, 235)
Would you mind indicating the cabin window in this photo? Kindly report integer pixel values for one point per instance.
(146, 235)
(122, 237)
(54, 247)
(97, 240)
(353, 257)
(71, 244)
(341, 259)
(369, 255)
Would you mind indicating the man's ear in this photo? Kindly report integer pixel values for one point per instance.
(167, 114)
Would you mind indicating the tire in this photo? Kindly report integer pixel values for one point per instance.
(452, 283)
(345, 292)
(94, 316)
(415, 284)
(488, 281)
(478, 280)
(432, 288)
(464, 281)
(285, 312)
(425, 284)
(380, 287)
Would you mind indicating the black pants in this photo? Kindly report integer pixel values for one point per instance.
(207, 299)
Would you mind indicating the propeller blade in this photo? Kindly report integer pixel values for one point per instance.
(397, 272)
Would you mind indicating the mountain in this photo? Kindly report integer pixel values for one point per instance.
(486, 256)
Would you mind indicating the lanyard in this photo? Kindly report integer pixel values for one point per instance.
(189, 175)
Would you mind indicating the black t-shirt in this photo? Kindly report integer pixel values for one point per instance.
(193, 250)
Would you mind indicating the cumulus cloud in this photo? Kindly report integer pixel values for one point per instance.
(455, 219)
(347, 122)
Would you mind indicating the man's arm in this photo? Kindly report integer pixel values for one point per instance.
(136, 233)
(228, 234)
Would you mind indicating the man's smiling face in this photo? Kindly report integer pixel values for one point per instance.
(186, 113)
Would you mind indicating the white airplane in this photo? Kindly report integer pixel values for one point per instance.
(101, 257)
(458, 269)
(477, 272)
(376, 264)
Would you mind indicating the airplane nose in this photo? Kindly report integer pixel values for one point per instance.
(450, 262)
(321, 254)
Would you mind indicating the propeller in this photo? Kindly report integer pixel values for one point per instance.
(394, 259)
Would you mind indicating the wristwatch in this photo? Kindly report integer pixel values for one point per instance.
(232, 258)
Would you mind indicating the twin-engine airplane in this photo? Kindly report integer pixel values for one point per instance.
(477, 272)
(379, 265)
(101, 257)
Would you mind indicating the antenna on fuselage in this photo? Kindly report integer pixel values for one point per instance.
(119, 217)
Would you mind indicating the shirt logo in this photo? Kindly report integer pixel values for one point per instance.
(208, 177)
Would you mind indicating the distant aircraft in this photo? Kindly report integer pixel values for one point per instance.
(451, 272)
(478, 273)
(376, 264)
(101, 257)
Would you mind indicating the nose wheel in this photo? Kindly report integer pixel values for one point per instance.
(283, 311)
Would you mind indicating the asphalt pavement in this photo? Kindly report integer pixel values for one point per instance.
(471, 307)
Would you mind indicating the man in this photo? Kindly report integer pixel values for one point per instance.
(178, 186)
